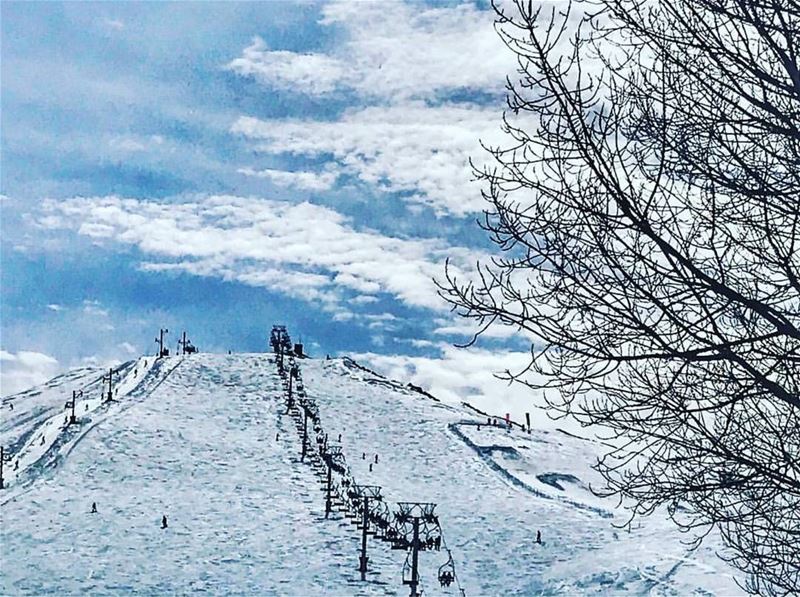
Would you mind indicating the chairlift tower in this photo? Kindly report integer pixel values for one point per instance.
(305, 432)
(363, 495)
(334, 461)
(162, 352)
(294, 372)
(278, 339)
(110, 395)
(185, 345)
(70, 404)
(416, 529)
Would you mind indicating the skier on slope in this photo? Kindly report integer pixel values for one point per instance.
(539, 537)
(94, 508)
(164, 521)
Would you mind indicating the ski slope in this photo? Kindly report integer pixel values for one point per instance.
(205, 440)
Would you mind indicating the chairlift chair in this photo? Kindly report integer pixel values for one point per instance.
(407, 571)
(447, 571)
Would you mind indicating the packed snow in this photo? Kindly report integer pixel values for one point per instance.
(205, 441)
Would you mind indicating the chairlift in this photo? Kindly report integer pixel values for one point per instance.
(447, 571)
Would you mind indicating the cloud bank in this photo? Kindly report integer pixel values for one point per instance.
(21, 370)
(303, 250)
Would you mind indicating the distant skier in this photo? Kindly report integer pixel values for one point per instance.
(479, 427)
(164, 521)
(539, 537)
(340, 438)
(370, 467)
(277, 435)
(16, 465)
(94, 508)
(42, 441)
(376, 459)
(363, 455)
(11, 406)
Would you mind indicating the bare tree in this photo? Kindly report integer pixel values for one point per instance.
(647, 213)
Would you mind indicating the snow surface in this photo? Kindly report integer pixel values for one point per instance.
(204, 439)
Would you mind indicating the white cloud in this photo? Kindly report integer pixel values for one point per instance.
(100, 362)
(468, 375)
(311, 181)
(311, 73)
(380, 321)
(55, 307)
(364, 299)
(412, 148)
(304, 250)
(135, 144)
(128, 348)
(390, 50)
(468, 328)
(95, 309)
(24, 369)
(115, 24)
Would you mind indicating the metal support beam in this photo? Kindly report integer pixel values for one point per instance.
(364, 523)
(328, 492)
(305, 434)
(415, 559)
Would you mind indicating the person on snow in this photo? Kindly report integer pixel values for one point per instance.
(164, 521)
(94, 508)
(539, 537)
(16, 465)
(376, 459)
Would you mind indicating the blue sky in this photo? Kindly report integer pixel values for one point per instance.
(220, 167)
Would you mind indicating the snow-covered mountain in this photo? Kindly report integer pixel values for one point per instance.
(212, 443)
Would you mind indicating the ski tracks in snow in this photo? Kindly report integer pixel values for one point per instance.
(44, 459)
